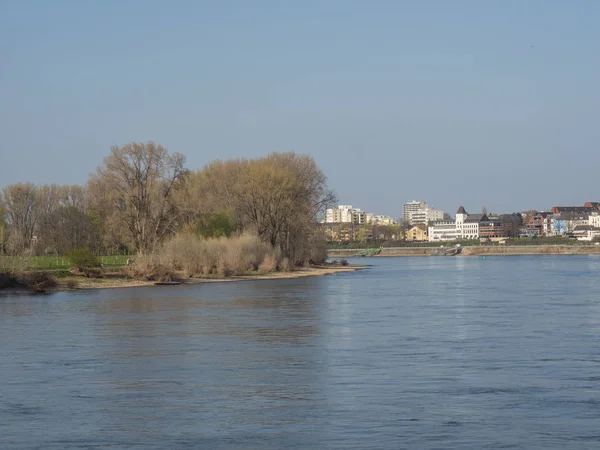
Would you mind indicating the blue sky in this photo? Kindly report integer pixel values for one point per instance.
(463, 102)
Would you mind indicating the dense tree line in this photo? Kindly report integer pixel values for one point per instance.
(142, 195)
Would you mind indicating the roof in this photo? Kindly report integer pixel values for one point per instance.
(476, 218)
(420, 227)
(461, 210)
(571, 216)
(574, 209)
(584, 228)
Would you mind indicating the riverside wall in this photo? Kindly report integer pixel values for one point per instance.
(479, 250)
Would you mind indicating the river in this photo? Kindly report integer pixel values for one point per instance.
(417, 353)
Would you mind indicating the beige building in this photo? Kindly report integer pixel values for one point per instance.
(416, 233)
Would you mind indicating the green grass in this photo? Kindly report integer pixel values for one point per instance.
(55, 262)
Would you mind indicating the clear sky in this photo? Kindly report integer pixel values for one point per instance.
(477, 103)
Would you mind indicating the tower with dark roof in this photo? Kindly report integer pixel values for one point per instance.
(461, 216)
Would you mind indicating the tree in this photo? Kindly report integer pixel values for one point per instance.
(2, 228)
(278, 197)
(219, 224)
(20, 205)
(135, 190)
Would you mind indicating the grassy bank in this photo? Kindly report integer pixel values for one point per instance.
(63, 280)
(183, 259)
(54, 262)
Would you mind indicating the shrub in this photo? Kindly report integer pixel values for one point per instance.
(151, 269)
(270, 263)
(318, 250)
(285, 265)
(39, 282)
(72, 284)
(221, 256)
(344, 262)
(8, 279)
(92, 273)
(83, 258)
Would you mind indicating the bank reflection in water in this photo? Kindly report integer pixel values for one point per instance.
(212, 352)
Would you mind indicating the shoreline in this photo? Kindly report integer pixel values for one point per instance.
(119, 283)
(510, 250)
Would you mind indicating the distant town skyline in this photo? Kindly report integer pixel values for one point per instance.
(484, 103)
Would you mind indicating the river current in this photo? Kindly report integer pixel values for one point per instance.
(416, 353)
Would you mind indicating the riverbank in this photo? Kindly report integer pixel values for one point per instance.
(532, 250)
(120, 280)
(478, 250)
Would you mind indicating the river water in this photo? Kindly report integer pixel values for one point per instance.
(418, 353)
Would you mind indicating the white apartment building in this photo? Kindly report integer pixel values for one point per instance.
(418, 213)
(348, 214)
(341, 214)
(443, 230)
(413, 206)
(359, 217)
(594, 220)
(466, 226)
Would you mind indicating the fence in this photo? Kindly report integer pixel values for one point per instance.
(55, 262)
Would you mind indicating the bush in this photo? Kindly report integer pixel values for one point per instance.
(82, 258)
(269, 263)
(286, 265)
(72, 284)
(8, 279)
(344, 262)
(39, 282)
(151, 269)
(218, 256)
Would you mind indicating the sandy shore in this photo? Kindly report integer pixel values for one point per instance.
(111, 283)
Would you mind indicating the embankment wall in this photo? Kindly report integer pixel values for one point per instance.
(479, 250)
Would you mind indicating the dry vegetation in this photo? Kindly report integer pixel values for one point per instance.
(34, 281)
(224, 257)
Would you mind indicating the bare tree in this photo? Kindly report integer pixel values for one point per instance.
(3, 228)
(279, 197)
(20, 204)
(136, 186)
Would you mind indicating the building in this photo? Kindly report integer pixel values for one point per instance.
(466, 226)
(581, 210)
(339, 232)
(511, 222)
(592, 205)
(411, 207)
(418, 213)
(538, 222)
(586, 232)
(594, 220)
(349, 214)
(491, 229)
(442, 230)
(416, 233)
(359, 217)
(565, 223)
(382, 220)
(341, 214)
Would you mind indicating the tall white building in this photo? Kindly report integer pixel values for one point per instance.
(419, 213)
(413, 206)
